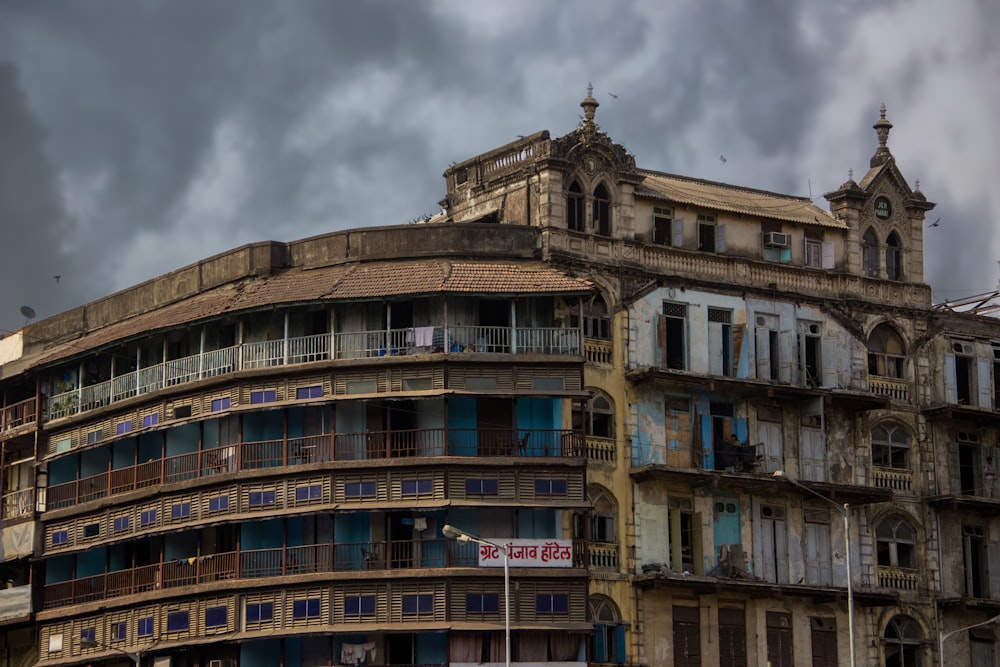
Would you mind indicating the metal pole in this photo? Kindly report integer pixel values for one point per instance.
(506, 599)
(944, 635)
(850, 586)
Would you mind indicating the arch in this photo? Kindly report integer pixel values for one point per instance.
(869, 254)
(890, 442)
(895, 542)
(886, 352)
(605, 514)
(601, 210)
(607, 644)
(574, 207)
(596, 415)
(902, 639)
(597, 318)
(893, 257)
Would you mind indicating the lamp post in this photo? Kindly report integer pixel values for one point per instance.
(944, 635)
(461, 536)
(845, 510)
(136, 658)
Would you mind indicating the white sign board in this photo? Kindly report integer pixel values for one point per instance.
(528, 553)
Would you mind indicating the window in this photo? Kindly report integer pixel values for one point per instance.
(417, 487)
(672, 336)
(482, 603)
(773, 544)
(178, 621)
(666, 230)
(418, 603)
(711, 235)
(120, 523)
(552, 603)
(967, 377)
(902, 639)
(218, 504)
(890, 446)
(608, 641)
(220, 404)
(180, 511)
(824, 642)
(869, 254)
(779, 639)
(354, 605)
(263, 396)
(677, 416)
(360, 489)
(181, 412)
(687, 637)
(816, 544)
(314, 391)
(147, 517)
(60, 537)
(144, 627)
(118, 631)
(260, 612)
(720, 341)
(596, 321)
(574, 208)
(88, 634)
(148, 421)
(896, 543)
(885, 352)
(306, 493)
(95, 437)
(481, 487)
(309, 608)
(63, 445)
(215, 617)
(121, 428)
(893, 267)
(810, 353)
(732, 638)
(261, 498)
(92, 530)
(601, 208)
(603, 518)
(813, 254)
(550, 487)
(974, 561)
(685, 536)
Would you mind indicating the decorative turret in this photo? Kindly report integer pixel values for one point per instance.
(589, 105)
(882, 127)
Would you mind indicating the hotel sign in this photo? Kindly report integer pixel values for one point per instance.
(528, 553)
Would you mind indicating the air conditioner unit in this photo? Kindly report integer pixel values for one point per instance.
(776, 240)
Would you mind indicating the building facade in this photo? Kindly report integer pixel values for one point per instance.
(715, 425)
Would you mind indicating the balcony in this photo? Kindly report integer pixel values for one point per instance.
(891, 388)
(331, 447)
(891, 478)
(601, 449)
(18, 505)
(603, 556)
(267, 563)
(19, 414)
(598, 352)
(898, 578)
(308, 349)
(15, 603)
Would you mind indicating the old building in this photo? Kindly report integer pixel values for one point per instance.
(715, 425)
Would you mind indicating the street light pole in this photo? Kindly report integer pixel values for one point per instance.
(944, 635)
(136, 658)
(461, 536)
(845, 510)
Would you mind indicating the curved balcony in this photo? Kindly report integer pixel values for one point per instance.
(331, 447)
(307, 349)
(264, 563)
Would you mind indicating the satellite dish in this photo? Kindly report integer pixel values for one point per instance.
(28, 312)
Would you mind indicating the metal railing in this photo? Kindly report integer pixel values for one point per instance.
(275, 562)
(306, 349)
(18, 414)
(304, 450)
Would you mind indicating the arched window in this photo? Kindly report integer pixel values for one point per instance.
(596, 320)
(604, 517)
(896, 542)
(608, 642)
(869, 254)
(574, 208)
(602, 211)
(886, 356)
(902, 642)
(893, 258)
(596, 416)
(890, 446)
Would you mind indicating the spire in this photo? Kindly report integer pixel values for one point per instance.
(882, 127)
(589, 105)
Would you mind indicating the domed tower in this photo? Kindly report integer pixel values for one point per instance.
(884, 216)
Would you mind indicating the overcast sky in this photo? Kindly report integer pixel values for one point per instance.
(140, 136)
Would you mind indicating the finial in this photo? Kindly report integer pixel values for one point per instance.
(882, 127)
(916, 185)
(589, 105)
(850, 174)
(590, 93)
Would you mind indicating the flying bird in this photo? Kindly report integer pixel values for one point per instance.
(935, 223)
(722, 159)
(57, 279)
(613, 95)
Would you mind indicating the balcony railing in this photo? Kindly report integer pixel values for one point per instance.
(261, 563)
(897, 390)
(603, 556)
(600, 449)
(305, 349)
(891, 478)
(18, 504)
(318, 449)
(899, 578)
(598, 351)
(18, 414)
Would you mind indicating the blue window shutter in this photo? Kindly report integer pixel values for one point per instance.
(740, 428)
(600, 650)
(619, 656)
(707, 449)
